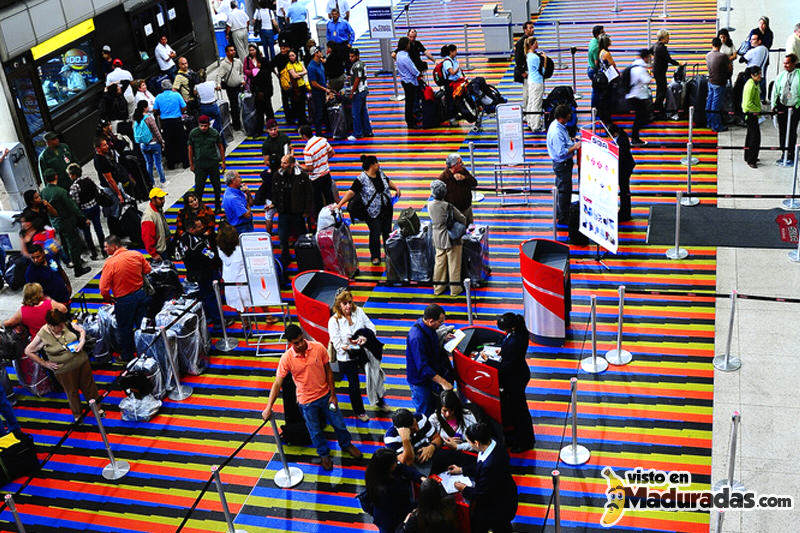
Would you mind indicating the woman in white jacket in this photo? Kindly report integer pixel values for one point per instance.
(353, 338)
(236, 296)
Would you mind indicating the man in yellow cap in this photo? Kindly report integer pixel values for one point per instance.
(155, 231)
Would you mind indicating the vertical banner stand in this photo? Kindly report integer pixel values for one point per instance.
(574, 454)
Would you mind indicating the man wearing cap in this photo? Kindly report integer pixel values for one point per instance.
(206, 155)
(230, 76)
(107, 63)
(165, 56)
(118, 74)
(237, 203)
(460, 184)
(67, 221)
(319, 88)
(155, 231)
(169, 106)
(57, 157)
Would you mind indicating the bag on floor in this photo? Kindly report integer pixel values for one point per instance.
(433, 111)
(408, 222)
(249, 116)
(340, 123)
(396, 258)
(307, 253)
(139, 409)
(33, 376)
(16, 266)
(166, 283)
(130, 223)
(475, 255)
(575, 236)
(17, 457)
(338, 250)
(421, 254)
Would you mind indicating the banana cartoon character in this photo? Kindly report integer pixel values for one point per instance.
(615, 507)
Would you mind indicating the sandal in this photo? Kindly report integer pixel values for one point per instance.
(363, 417)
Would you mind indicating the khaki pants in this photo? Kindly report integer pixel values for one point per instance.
(447, 264)
(79, 379)
(535, 94)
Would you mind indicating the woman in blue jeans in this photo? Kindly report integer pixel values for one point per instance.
(145, 132)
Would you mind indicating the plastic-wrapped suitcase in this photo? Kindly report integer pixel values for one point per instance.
(191, 332)
(475, 254)
(336, 243)
(107, 330)
(249, 117)
(396, 258)
(307, 253)
(33, 376)
(166, 284)
(152, 363)
(421, 254)
(139, 409)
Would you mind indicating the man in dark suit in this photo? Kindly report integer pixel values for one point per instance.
(626, 166)
(521, 62)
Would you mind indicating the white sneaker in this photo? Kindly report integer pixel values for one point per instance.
(351, 138)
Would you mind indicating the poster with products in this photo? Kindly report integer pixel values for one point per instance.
(599, 190)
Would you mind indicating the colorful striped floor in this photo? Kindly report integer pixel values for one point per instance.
(654, 413)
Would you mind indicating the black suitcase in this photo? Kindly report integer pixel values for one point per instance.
(696, 95)
(433, 112)
(341, 122)
(307, 253)
(16, 266)
(396, 258)
(575, 236)
(421, 254)
(137, 171)
(17, 457)
(475, 255)
(130, 223)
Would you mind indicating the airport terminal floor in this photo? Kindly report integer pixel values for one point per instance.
(654, 413)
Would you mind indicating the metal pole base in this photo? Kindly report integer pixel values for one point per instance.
(226, 345)
(477, 196)
(794, 256)
(724, 8)
(116, 470)
(618, 357)
(594, 365)
(783, 163)
(398, 98)
(180, 393)
(733, 363)
(560, 66)
(580, 456)
(677, 253)
(284, 481)
(685, 161)
(577, 96)
(791, 204)
(690, 201)
(737, 486)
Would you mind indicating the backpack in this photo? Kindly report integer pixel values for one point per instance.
(625, 79)
(438, 74)
(546, 66)
(408, 222)
(141, 132)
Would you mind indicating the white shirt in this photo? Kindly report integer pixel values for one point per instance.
(281, 7)
(265, 16)
(224, 7)
(640, 77)
(237, 296)
(238, 19)
(162, 56)
(145, 96)
(343, 6)
(792, 45)
(469, 419)
(340, 331)
(487, 452)
(117, 75)
(757, 57)
(206, 92)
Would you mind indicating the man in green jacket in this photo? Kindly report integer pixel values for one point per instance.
(751, 107)
(206, 156)
(785, 96)
(58, 157)
(67, 221)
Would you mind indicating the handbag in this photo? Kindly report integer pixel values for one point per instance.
(455, 229)
(357, 209)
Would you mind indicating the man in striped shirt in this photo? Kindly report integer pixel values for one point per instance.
(316, 154)
(410, 436)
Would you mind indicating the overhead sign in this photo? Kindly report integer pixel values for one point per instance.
(381, 25)
(259, 265)
(510, 137)
(599, 190)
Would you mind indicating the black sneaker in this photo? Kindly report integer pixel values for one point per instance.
(81, 270)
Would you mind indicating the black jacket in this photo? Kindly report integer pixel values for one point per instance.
(292, 193)
(493, 496)
(662, 60)
(626, 161)
(520, 61)
(200, 257)
(513, 370)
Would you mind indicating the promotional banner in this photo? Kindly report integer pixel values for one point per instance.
(510, 138)
(259, 265)
(380, 21)
(599, 190)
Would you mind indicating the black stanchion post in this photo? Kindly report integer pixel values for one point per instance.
(114, 469)
(225, 344)
(13, 508)
(224, 502)
(574, 454)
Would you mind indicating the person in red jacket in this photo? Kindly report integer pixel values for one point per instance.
(155, 231)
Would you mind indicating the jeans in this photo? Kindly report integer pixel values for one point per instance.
(318, 110)
(361, 124)
(323, 194)
(152, 158)
(424, 397)
(714, 105)
(411, 93)
(563, 172)
(129, 310)
(752, 141)
(7, 411)
(245, 227)
(202, 174)
(268, 42)
(590, 72)
(93, 215)
(212, 112)
(289, 224)
(316, 414)
(379, 226)
(350, 370)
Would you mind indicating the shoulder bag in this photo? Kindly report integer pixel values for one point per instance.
(455, 229)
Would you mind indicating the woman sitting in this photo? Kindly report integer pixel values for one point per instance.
(436, 512)
(34, 308)
(450, 423)
(62, 344)
(352, 335)
(387, 495)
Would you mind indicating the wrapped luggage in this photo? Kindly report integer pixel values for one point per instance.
(336, 243)
(166, 285)
(396, 258)
(152, 364)
(107, 340)
(475, 254)
(33, 376)
(139, 410)
(421, 254)
(191, 333)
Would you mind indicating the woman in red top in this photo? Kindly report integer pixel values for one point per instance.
(252, 63)
(35, 306)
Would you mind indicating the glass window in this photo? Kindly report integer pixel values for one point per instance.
(68, 72)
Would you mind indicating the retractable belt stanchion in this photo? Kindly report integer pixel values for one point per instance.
(678, 252)
(594, 364)
(573, 50)
(731, 483)
(468, 290)
(794, 255)
(224, 502)
(594, 120)
(13, 508)
(556, 501)
(477, 196)
(559, 65)
(618, 356)
(688, 160)
(726, 362)
(408, 18)
(784, 162)
(664, 13)
(555, 214)
(649, 32)
(574, 454)
(616, 7)
(289, 476)
(397, 97)
(793, 204)
(720, 517)
(180, 392)
(689, 200)
(114, 469)
(225, 344)
(466, 46)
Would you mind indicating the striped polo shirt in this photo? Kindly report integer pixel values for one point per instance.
(419, 439)
(316, 156)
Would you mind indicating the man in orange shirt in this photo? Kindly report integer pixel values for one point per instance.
(316, 394)
(123, 276)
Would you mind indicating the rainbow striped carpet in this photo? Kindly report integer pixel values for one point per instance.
(654, 413)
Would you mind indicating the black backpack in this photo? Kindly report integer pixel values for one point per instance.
(625, 79)
(546, 66)
(408, 222)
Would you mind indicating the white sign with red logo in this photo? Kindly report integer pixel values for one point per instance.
(599, 190)
(510, 137)
(259, 265)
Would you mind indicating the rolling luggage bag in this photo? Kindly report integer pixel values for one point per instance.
(138, 172)
(191, 334)
(151, 372)
(307, 253)
(17, 457)
(33, 376)
(396, 258)
(249, 117)
(340, 120)
(421, 254)
(696, 95)
(475, 255)
(338, 250)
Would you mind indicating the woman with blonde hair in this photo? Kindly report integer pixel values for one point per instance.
(534, 85)
(35, 306)
(353, 338)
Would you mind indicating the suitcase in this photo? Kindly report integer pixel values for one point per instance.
(192, 342)
(475, 255)
(408, 222)
(307, 253)
(249, 117)
(575, 236)
(152, 363)
(17, 457)
(396, 258)
(676, 97)
(421, 254)
(433, 111)
(166, 284)
(130, 224)
(137, 171)
(33, 376)
(338, 250)
(15, 271)
(340, 120)
(696, 95)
